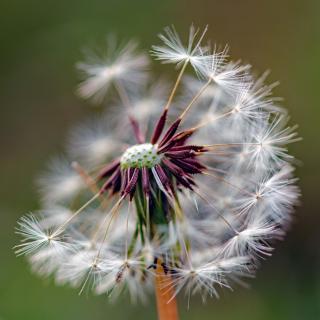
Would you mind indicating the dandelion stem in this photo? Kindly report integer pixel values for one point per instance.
(167, 307)
(218, 212)
(113, 212)
(235, 144)
(61, 228)
(89, 181)
(176, 85)
(215, 176)
(195, 98)
(211, 120)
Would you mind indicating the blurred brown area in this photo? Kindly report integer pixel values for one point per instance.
(40, 43)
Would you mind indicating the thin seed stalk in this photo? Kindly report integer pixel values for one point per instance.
(176, 84)
(167, 306)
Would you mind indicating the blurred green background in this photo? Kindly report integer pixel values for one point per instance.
(41, 41)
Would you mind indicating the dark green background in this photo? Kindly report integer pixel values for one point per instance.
(41, 41)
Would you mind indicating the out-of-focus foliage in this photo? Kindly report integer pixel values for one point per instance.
(40, 43)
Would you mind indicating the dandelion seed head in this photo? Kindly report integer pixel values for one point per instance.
(122, 66)
(187, 192)
(60, 183)
(142, 155)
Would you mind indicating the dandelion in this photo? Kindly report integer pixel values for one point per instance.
(36, 238)
(175, 52)
(91, 143)
(232, 76)
(60, 183)
(172, 193)
(121, 66)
